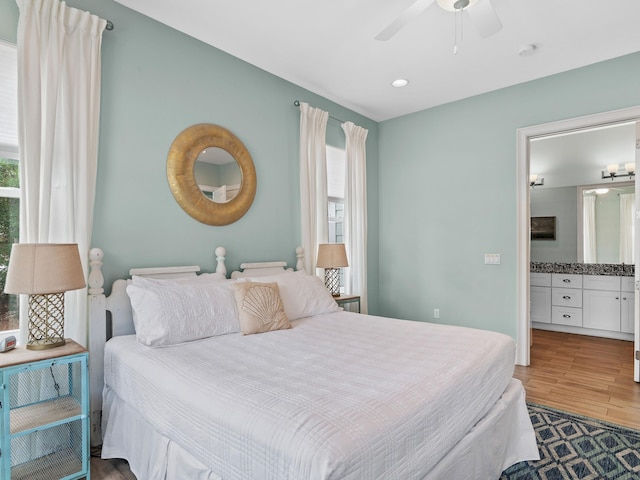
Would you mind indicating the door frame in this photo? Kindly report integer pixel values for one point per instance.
(524, 135)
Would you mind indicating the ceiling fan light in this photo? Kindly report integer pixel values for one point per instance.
(449, 5)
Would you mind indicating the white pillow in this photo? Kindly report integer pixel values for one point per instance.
(172, 314)
(190, 280)
(302, 295)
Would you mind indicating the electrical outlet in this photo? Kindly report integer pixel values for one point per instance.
(436, 313)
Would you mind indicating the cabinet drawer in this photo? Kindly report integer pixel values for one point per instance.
(566, 280)
(540, 279)
(627, 284)
(601, 282)
(566, 297)
(566, 316)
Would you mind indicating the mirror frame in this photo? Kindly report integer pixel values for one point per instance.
(181, 160)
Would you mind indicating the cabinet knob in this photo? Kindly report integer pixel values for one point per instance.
(624, 298)
(617, 298)
(566, 315)
(566, 280)
(566, 297)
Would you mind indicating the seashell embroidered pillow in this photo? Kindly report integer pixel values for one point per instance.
(260, 307)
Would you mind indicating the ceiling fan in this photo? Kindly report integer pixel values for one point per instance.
(482, 14)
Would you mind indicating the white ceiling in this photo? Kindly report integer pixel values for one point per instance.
(328, 46)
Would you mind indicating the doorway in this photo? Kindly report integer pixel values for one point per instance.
(524, 137)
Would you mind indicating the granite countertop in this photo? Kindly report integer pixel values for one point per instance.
(610, 269)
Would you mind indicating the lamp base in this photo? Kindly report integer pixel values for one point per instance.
(45, 344)
(332, 280)
(46, 321)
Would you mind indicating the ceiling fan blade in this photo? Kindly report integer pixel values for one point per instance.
(485, 18)
(405, 17)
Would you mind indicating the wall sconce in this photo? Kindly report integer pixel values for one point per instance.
(630, 169)
(534, 181)
(331, 257)
(44, 271)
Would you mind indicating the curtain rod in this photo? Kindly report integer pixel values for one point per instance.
(109, 25)
(296, 103)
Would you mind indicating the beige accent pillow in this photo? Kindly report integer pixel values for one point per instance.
(260, 307)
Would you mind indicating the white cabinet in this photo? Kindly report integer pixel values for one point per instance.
(601, 310)
(540, 297)
(601, 307)
(627, 302)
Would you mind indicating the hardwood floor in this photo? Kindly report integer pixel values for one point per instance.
(590, 376)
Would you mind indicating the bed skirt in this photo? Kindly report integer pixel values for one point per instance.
(502, 438)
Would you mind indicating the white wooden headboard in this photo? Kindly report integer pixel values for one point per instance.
(118, 305)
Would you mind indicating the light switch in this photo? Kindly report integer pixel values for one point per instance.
(492, 259)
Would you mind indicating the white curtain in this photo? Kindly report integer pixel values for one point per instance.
(355, 212)
(313, 182)
(589, 228)
(58, 114)
(627, 204)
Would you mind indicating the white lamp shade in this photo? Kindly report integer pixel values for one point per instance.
(332, 255)
(533, 178)
(630, 167)
(613, 168)
(43, 268)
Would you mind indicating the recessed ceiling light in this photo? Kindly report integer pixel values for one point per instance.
(400, 82)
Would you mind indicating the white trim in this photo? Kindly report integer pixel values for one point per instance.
(523, 340)
(166, 271)
(9, 192)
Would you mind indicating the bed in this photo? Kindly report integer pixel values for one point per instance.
(331, 395)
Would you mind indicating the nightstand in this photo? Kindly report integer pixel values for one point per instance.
(351, 303)
(44, 413)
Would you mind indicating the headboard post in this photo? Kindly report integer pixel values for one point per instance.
(221, 253)
(97, 334)
(300, 257)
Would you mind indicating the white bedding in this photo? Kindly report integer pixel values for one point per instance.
(338, 396)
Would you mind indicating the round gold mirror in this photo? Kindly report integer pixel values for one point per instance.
(211, 174)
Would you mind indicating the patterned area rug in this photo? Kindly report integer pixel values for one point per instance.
(575, 447)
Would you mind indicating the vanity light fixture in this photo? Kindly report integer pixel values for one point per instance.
(400, 82)
(534, 181)
(612, 171)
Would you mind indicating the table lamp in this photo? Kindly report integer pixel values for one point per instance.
(44, 271)
(331, 257)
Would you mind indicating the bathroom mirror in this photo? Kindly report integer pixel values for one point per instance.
(605, 223)
(211, 174)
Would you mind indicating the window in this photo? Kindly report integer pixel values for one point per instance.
(335, 192)
(9, 178)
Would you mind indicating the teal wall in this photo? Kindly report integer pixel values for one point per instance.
(155, 83)
(448, 193)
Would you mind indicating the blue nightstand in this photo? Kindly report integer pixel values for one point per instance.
(44, 413)
(351, 303)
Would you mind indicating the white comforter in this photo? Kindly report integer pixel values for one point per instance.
(339, 396)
